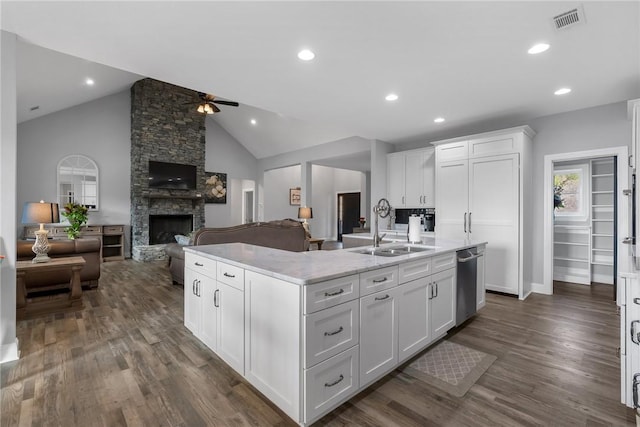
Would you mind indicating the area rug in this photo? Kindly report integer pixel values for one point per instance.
(450, 367)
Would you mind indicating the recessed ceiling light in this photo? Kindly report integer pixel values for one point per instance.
(391, 97)
(438, 120)
(538, 48)
(89, 82)
(253, 121)
(306, 55)
(562, 91)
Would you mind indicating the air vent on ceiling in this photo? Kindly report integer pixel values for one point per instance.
(569, 19)
(34, 108)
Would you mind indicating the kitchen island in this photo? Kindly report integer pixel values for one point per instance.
(311, 329)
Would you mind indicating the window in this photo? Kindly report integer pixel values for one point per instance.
(570, 193)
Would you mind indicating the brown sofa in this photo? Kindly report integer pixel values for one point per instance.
(88, 248)
(286, 234)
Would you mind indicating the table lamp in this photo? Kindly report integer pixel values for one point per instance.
(40, 213)
(305, 214)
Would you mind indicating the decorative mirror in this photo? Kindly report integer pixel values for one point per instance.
(78, 181)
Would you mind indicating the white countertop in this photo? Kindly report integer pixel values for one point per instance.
(304, 268)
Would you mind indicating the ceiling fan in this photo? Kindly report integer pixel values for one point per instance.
(207, 104)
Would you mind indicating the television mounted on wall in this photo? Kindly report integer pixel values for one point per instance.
(172, 176)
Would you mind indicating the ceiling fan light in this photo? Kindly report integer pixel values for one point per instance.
(201, 108)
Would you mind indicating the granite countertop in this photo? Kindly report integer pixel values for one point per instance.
(304, 268)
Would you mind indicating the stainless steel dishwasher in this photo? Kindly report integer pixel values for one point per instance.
(467, 283)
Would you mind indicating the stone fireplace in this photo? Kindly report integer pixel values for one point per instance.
(165, 128)
(163, 228)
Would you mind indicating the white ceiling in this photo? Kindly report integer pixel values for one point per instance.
(465, 61)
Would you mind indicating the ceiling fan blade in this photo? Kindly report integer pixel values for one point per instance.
(215, 109)
(231, 103)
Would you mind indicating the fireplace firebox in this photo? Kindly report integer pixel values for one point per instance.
(163, 228)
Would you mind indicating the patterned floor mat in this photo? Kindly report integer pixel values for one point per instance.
(451, 367)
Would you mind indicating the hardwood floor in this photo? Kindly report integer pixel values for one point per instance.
(126, 359)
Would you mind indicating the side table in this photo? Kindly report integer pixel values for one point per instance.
(319, 242)
(48, 304)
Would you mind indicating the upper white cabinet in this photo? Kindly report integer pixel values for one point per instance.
(480, 186)
(411, 177)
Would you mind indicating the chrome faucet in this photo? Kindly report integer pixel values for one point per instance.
(381, 210)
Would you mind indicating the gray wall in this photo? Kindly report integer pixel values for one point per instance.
(225, 154)
(277, 183)
(581, 130)
(100, 130)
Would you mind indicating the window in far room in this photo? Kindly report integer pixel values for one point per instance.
(570, 188)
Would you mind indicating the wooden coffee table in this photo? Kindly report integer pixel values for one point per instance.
(48, 304)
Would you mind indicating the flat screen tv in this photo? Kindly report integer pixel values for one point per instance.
(173, 176)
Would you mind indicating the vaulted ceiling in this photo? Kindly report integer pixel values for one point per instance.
(464, 61)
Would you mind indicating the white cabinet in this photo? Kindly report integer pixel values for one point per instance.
(378, 334)
(481, 197)
(411, 176)
(414, 317)
(443, 302)
(213, 310)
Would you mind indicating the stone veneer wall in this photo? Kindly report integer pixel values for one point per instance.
(164, 129)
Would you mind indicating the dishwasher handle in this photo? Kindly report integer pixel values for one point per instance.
(469, 258)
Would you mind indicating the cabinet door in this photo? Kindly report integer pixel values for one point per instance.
(443, 302)
(230, 307)
(429, 178)
(192, 305)
(480, 288)
(494, 200)
(378, 334)
(395, 179)
(452, 190)
(209, 321)
(413, 317)
(413, 179)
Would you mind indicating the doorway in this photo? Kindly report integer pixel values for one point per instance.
(620, 204)
(348, 213)
(248, 206)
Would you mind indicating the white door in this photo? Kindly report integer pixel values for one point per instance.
(443, 302)
(395, 182)
(452, 189)
(209, 322)
(494, 200)
(414, 327)
(230, 305)
(413, 180)
(378, 334)
(192, 306)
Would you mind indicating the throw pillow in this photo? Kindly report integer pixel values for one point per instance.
(182, 240)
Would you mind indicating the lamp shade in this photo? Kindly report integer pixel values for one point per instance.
(40, 213)
(305, 213)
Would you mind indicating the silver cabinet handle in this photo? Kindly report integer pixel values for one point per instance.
(193, 287)
(469, 222)
(384, 279)
(215, 298)
(337, 331)
(636, 301)
(465, 222)
(229, 275)
(635, 390)
(635, 337)
(382, 298)
(335, 382)
(333, 294)
(198, 287)
(628, 240)
(430, 285)
(436, 285)
(198, 264)
(403, 200)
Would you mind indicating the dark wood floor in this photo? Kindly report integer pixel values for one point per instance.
(126, 359)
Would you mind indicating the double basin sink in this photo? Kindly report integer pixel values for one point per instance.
(397, 250)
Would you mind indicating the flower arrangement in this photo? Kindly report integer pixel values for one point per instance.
(77, 215)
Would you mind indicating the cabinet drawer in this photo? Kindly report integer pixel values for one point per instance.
(330, 331)
(330, 383)
(332, 292)
(91, 230)
(231, 275)
(113, 229)
(414, 270)
(452, 151)
(200, 264)
(377, 280)
(443, 262)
